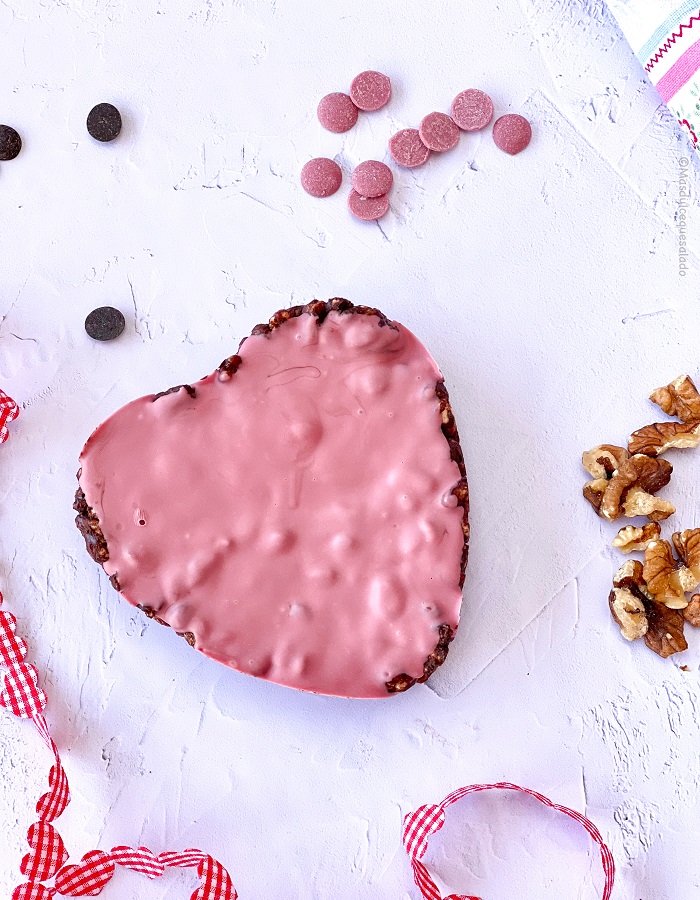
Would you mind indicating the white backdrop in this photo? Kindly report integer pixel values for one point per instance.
(547, 287)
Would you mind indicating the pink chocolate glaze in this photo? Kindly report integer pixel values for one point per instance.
(296, 517)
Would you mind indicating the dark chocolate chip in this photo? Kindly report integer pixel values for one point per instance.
(105, 323)
(10, 142)
(104, 122)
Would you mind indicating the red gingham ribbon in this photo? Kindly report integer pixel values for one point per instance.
(8, 413)
(426, 820)
(23, 697)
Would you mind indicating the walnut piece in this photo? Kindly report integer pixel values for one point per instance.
(687, 545)
(636, 479)
(632, 539)
(666, 579)
(691, 613)
(642, 472)
(602, 461)
(665, 633)
(650, 474)
(639, 503)
(593, 492)
(680, 399)
(629, 612)
(653, 440)
(633, 608)
(630, 575)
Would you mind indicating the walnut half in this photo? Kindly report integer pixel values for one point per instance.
(629, 612)
(680, 399)
(665, 634)
(668, 579)
(653, 440)
(687, 545)
(636, 540)
(630, 575)
(630, 488)
(639, 615)
(602, 461)
(640, 503)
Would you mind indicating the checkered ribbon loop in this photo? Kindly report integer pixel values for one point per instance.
(418, 826)
(47, 854)
(8, 413)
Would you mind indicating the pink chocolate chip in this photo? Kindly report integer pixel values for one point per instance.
(407, 149)
(472, 110)
(372, 178)
(512, 133)
(321, 177)
(367, 208)
(370, 90)
(439, 132)
(337, 113)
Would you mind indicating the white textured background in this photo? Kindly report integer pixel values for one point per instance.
(547, 287)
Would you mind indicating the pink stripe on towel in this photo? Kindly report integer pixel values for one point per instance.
(680, 73)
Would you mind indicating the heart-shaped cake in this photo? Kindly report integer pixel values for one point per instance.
(301, 514)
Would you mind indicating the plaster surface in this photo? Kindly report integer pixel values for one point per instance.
(546, 285)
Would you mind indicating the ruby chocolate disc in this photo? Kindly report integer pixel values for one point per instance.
(301, 513)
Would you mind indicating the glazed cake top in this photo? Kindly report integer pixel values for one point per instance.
(296, 517)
